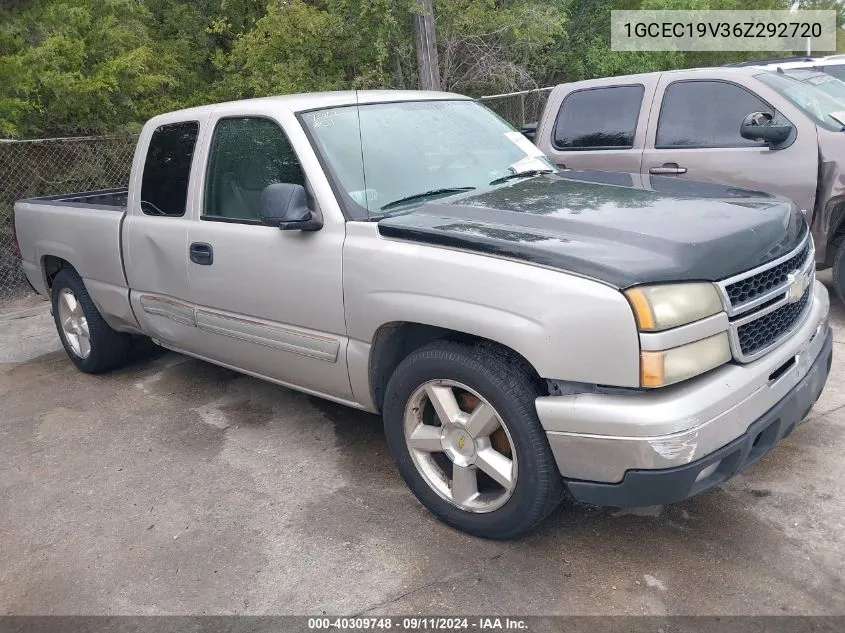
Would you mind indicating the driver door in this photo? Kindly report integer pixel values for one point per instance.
(694, 134)
(268, 302)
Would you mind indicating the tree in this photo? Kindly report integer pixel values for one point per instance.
(71, 67)
(304, 46)
(79, 67)
(490, 46)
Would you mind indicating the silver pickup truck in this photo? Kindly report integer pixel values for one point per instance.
(524, 332)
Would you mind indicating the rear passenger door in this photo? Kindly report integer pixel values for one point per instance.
(598, 126)
(155, 231)
(694, 133)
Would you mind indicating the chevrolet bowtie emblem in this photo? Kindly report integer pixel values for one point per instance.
(798, 283)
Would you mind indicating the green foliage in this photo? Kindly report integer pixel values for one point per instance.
(489, 46)
(77, 67)
(80, 66)
(304, 46)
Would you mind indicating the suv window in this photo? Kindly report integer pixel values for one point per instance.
(167, 169)
(599, 118)
(706, 114)
(246, 155)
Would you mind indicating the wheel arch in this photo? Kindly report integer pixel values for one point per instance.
(50, 267)
(394, 341)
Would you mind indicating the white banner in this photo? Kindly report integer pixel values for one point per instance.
(723, 30)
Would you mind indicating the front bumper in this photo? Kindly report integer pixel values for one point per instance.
(669, 485)
(603, 438)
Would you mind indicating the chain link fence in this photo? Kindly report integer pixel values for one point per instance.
(66, 165)
(53, 166)
(519, 108)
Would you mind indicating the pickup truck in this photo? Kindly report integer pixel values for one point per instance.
(749, 127)
(524, 332)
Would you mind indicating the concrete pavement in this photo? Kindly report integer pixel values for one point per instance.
(177, 487)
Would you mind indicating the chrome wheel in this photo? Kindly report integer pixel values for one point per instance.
(460, 445)
(74, 323)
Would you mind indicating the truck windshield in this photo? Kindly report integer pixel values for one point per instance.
(822, 107)
(390, 157)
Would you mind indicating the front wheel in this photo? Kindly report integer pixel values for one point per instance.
(462, 427)
(89, 341)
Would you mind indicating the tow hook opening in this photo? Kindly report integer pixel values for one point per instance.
(780, 371)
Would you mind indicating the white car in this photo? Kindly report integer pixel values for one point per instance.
(832, 64)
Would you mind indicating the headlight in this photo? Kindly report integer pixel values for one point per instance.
(658, 369)
(669, 305)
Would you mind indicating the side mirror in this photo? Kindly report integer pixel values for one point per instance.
(285, 205)
(760, 126)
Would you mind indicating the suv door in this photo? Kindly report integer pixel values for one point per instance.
(268, 302)
(694, 133)
(598, 125)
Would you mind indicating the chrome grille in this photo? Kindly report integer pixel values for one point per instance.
(754, 286)
(762, 304)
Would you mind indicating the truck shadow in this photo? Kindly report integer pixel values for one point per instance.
(254, 439)
(699, 553)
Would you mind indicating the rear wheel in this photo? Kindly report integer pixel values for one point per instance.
(89, 341)
(461, 424)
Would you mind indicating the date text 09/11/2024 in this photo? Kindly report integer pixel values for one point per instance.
(414, 623)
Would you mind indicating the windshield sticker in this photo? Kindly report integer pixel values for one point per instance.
(821, 79)
(364, 196)
(530, 163)
(324, 118)
(523, 143)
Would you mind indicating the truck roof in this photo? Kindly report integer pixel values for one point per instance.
(314, 100)
(722, 70)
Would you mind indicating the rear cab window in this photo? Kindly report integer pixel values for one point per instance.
(167, 169)
(598, 118)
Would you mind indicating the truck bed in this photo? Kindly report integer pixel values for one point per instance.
(106, 199)
(83, 230)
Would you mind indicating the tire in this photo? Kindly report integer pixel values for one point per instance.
(105, 348)
(839, 272)
(477, 375)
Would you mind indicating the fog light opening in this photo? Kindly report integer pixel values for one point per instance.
(704, 474)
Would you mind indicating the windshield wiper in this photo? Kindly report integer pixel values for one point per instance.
(522, 174)
(425, 194)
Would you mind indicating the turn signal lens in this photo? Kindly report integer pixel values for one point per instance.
(658, 369)
(669, 305)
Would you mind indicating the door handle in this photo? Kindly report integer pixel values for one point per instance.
(201, 253)
(668, 169)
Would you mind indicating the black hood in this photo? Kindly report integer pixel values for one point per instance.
(622, 234)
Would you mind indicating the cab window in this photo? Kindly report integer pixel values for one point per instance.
(599, 118)
(246, 155)
(167, 169)
(706, 114)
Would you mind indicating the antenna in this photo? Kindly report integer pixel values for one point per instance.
(361, 144)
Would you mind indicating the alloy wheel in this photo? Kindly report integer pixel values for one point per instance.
(74, 323)
(460, 445)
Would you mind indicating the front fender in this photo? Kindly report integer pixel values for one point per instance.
(568, 327)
